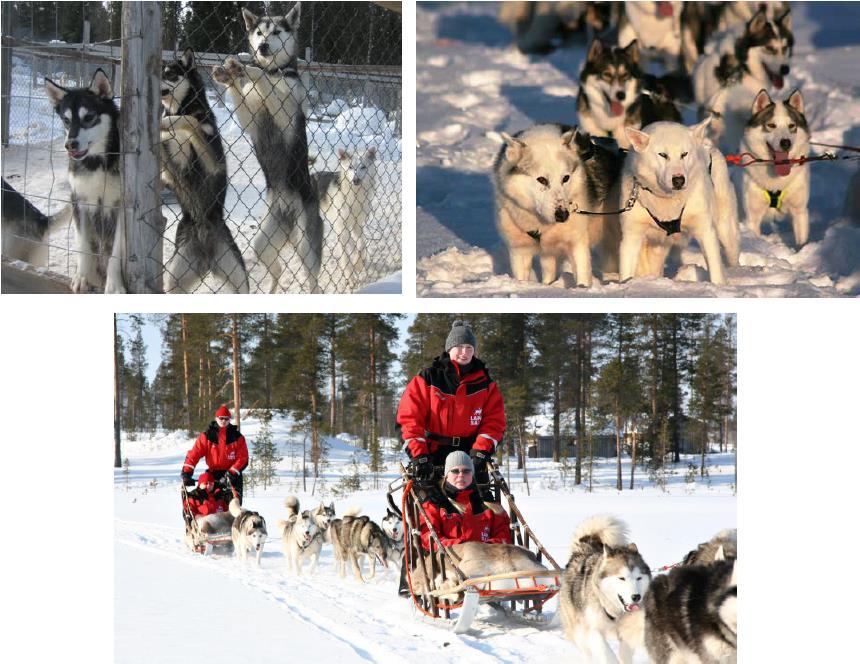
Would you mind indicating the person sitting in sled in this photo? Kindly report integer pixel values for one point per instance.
(458, 513)
(225, 450)
(209, 506)
(452, 405)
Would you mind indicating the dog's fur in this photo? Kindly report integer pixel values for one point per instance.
(658, 32)
(691, 615)
(392, 526)
(301, 538)
(604, 580)
(777, 130)
(611, 94)
(24, 228)
(354, 537)
(345, 198)
(248, 531)
(270, 103)
(194, 167)
(539, 175)
(664, 155)
(92, 141)
(722, 546)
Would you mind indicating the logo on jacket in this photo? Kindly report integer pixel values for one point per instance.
(485, 534)
(476, 417)
(231, 455)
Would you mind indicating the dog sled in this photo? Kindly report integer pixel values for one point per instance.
(204, 543)
(438, 586)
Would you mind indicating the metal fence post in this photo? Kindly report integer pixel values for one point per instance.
(139, 139)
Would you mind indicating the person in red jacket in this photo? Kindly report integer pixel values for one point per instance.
(452, 405)
(225, 451)
(209, 506)
(458, 513)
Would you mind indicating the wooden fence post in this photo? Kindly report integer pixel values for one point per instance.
(139, 139)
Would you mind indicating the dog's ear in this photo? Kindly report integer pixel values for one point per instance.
(762, 101)
(100, 85)
(758, 22)
(515, 148)
(342, 154)
(720, 554)
(595, 50)
(700, 131)
(187, 58)
(632, 51)
(294, 16)
(638, 138)
(632, 548)
(582, 141)
(795, 100)
(55, 92)
(785, 20)
(250, 18)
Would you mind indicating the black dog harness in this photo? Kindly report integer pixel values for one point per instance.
(671, 226)
(535, 234)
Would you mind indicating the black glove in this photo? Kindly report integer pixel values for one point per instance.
(187, 480)
(479, 459)
(224, 482)
(422, 468)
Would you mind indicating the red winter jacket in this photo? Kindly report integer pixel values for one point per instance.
(461, 516)
(441, 401)
(223, 447)
(202, 503)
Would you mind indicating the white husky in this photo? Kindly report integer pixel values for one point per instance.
(777, 130)
(345, 200)
(684, 190)
(249, 531)
(300, 537)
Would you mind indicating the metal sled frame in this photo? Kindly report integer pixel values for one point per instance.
(204, 543)
(525, 598)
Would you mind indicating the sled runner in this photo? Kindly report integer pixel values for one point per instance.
(198, 541)
(438, 585)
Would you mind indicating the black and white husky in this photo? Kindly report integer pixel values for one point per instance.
(269, 102)
(301, 536)
(24, 228)
(777, 130)
(542, 176)
(195, 169)
(90, 117)
(610, 94)
(392, 526)
(345, 197)
(248, 531)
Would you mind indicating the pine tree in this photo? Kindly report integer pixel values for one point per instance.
(266, 457)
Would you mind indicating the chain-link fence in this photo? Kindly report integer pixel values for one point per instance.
(279, 145)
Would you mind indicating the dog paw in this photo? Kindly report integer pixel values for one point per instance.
(80, 284)
(221, 75)
(234, 67)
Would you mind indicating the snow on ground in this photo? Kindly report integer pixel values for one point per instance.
(35, 163)
(170, 603)
(472, 84)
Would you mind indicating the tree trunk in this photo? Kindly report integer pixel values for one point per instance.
(267, 362)
(117, 399)
(315, 449)
(632, 457)
(525, 455)
(704, 447)
(184, 324)
(676, 395)
(578, 383)
(556, 418)
(333, 376)
(618, 482)
(237, 396)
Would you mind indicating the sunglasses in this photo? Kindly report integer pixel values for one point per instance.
(460, 471)
(223, 419)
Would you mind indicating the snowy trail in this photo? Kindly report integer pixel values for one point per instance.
(472, 84)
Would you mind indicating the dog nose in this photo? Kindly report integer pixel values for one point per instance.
(620, 95)
(561, 214)
(785, 144)
(263, 48)
(636, 598)
(678, 181)
(784, 70)
(71, 145)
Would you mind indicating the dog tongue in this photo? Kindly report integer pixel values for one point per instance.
(632, 607)
(616, 108)
(781, 169)
(777, 80)
(664, 9)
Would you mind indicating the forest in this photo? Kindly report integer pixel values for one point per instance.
(649, 379)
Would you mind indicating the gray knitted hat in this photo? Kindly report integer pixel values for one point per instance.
(457, 459)
(460, 334)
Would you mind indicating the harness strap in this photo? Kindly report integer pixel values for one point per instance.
(774, 197)
(671, 226)
(535, 234)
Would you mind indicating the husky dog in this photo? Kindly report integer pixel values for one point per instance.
(90, 116)
(539, 26)
(392, 526)
(269, 102)
(604, 580)
(691, 614)
(542, 175)
(210, 524)
(322, 516)
(248, 531)
(777, 130)
(195, 169)
(24, 228)
(354, 537)
(610, 94)
(684, 189)
(657, 28)
(345, 200)
(722, 546)
(300, 537)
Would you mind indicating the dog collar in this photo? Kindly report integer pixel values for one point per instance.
(288, 69)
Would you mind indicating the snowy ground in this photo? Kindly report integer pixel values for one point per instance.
(170, 603)
(35, 164)
(472, 84)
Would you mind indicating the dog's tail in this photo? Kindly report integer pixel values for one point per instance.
(235, 508)
(292, 505)
(281, 525)
(597, 531)
(352, 511)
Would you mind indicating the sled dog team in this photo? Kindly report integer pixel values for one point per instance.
(632, 182)
(270, 103)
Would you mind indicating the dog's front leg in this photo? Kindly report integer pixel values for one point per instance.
(581, 258)
(601, 653)
(631, 244)
(86, 275)
(548, 268)
(356, 566)
(114, 283)
(755, 207)
(521, 263)
(800, 225)
(707, 239)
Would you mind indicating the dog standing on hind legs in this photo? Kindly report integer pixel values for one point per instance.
(194, 167)
(269, 102)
